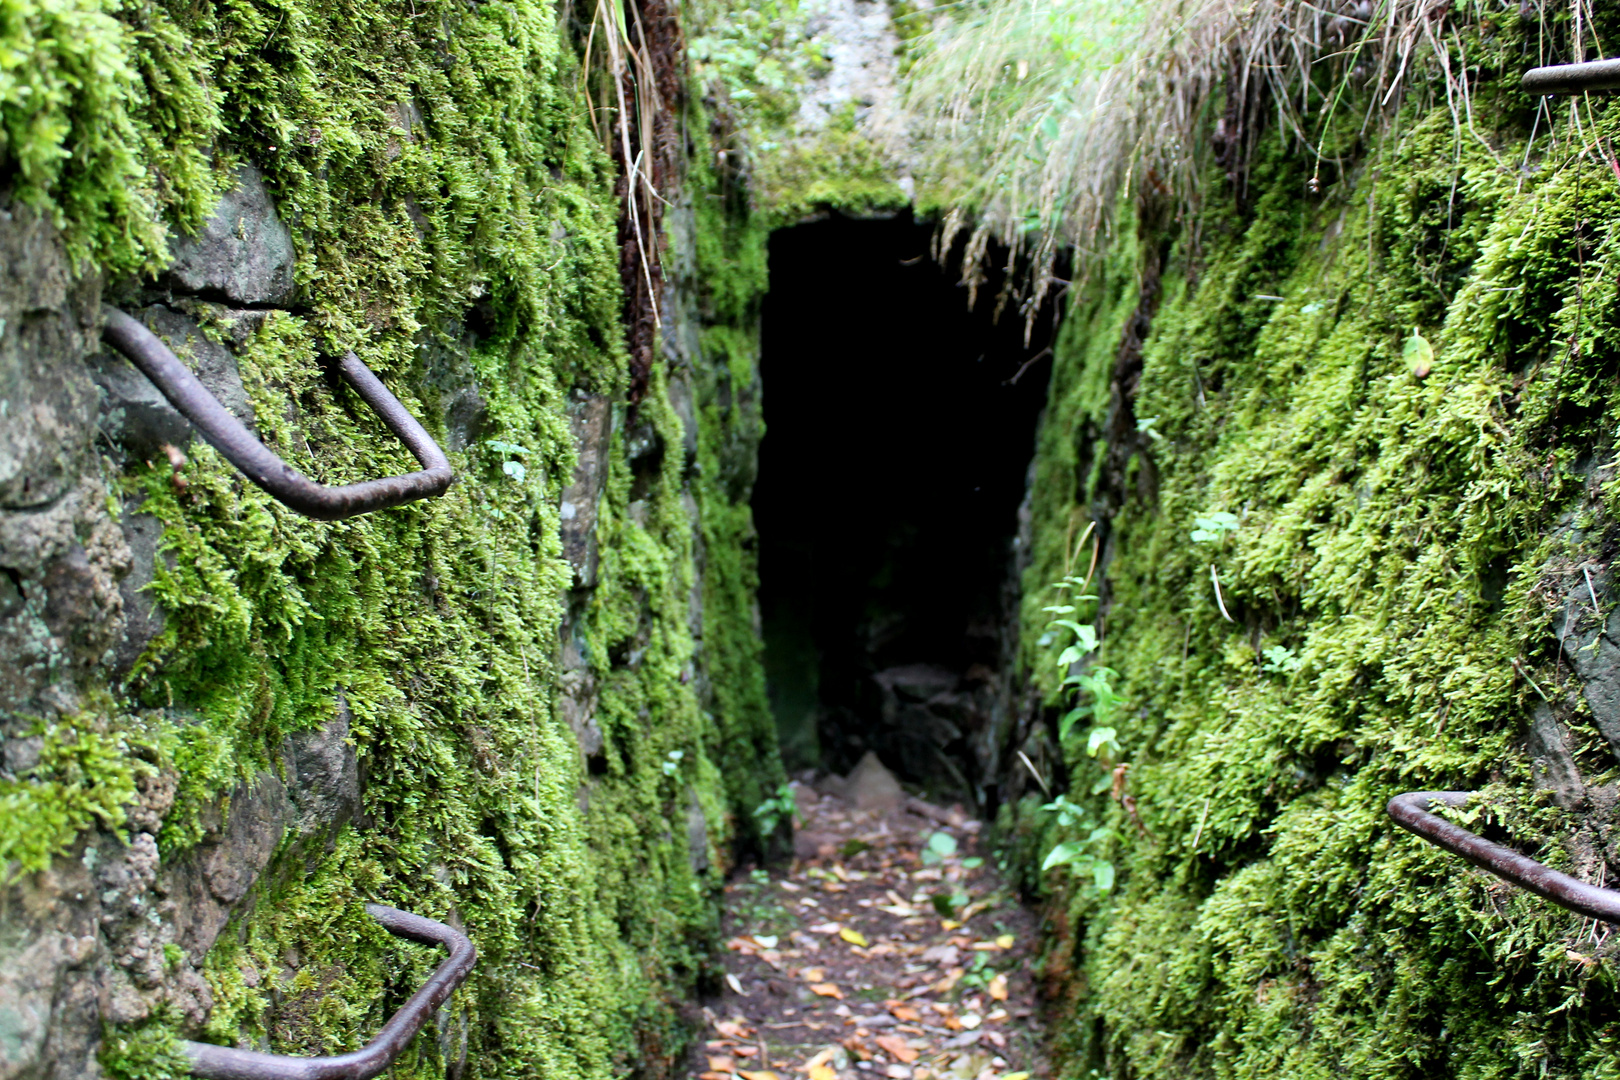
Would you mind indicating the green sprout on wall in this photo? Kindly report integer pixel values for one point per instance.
(1213, 525)
(1078, 854)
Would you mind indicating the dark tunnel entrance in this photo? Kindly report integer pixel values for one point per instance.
(894, 461)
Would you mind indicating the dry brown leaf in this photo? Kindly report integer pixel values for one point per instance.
(746, 1051)
(762, 1074)
(998, 987)
(714, 1076)
(813, 974)
(896, 1048)
(733, 1029)
(823, 1072)
(722, 1064)
(904, 1012)
(827, 990)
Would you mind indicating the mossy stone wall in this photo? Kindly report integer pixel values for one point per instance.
(1417, 543)
(532, 707)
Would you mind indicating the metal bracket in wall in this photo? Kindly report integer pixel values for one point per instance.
(1573, 78)
(225, 1063)
(1411, 812)
(227, 434)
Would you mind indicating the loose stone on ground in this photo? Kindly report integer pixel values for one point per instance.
(889, 948)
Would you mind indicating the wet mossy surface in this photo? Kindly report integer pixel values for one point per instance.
(1409, 540)
(446, 197)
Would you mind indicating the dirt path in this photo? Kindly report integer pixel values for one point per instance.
(890, 948)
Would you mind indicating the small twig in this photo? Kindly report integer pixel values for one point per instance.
(1213, 576)
(1440, 725)
(1092, 569)
(1014, 380)
(1520, 669)
(1198, 833)
(1596, 610)
(1030, 765)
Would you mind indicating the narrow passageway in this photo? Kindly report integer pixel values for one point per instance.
(888, 948)
(900, 425)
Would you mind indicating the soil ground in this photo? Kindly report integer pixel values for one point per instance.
(888, 948)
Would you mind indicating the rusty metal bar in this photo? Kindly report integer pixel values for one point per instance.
(225, 1063)
(1573, 78)
(1411, 812)
(227, 434)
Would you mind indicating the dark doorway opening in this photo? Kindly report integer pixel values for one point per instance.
(894, 462)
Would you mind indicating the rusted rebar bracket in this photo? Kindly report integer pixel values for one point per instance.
(1573, 78)
(227, 434)
(1411, 812)
(225, 1063)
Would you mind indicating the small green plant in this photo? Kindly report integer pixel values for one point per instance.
(940, 846)
(1078, 854)
(514, 469)
(778, 808)
(1212, 526)
(1280, 660)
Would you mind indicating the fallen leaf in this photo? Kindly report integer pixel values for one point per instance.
(824, 1055)
(905, 1012)
(825, 928)
(813, 974)
(949, 924)
(733, 982)
(826, 990)
(714, 1076)
(854, 937)
(762, 1074)
(1016, 1076)
(998, 987)
(1006, 941)
(766, 941)
(722, 1064)
(968, 1020)
(823, 1072)
(746, 1051)
(953, 1023)
(896, 1047)
(984, 946)
(733, 1029)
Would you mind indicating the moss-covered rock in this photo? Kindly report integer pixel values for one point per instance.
(1402, 391)
(429, 706)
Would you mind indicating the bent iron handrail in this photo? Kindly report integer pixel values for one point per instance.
(228, 435)
(1573, 78)
(1410, 811)
(225, 1063)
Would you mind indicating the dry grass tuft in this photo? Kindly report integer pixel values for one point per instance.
(1037, 116)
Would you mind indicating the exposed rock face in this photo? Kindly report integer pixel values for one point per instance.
(109, 933)
(60, 553)
(136, 414)
(244, 253)
(590, 417)
(1593, 653)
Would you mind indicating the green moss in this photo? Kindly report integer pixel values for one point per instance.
(1400, 535)
(446, 194)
